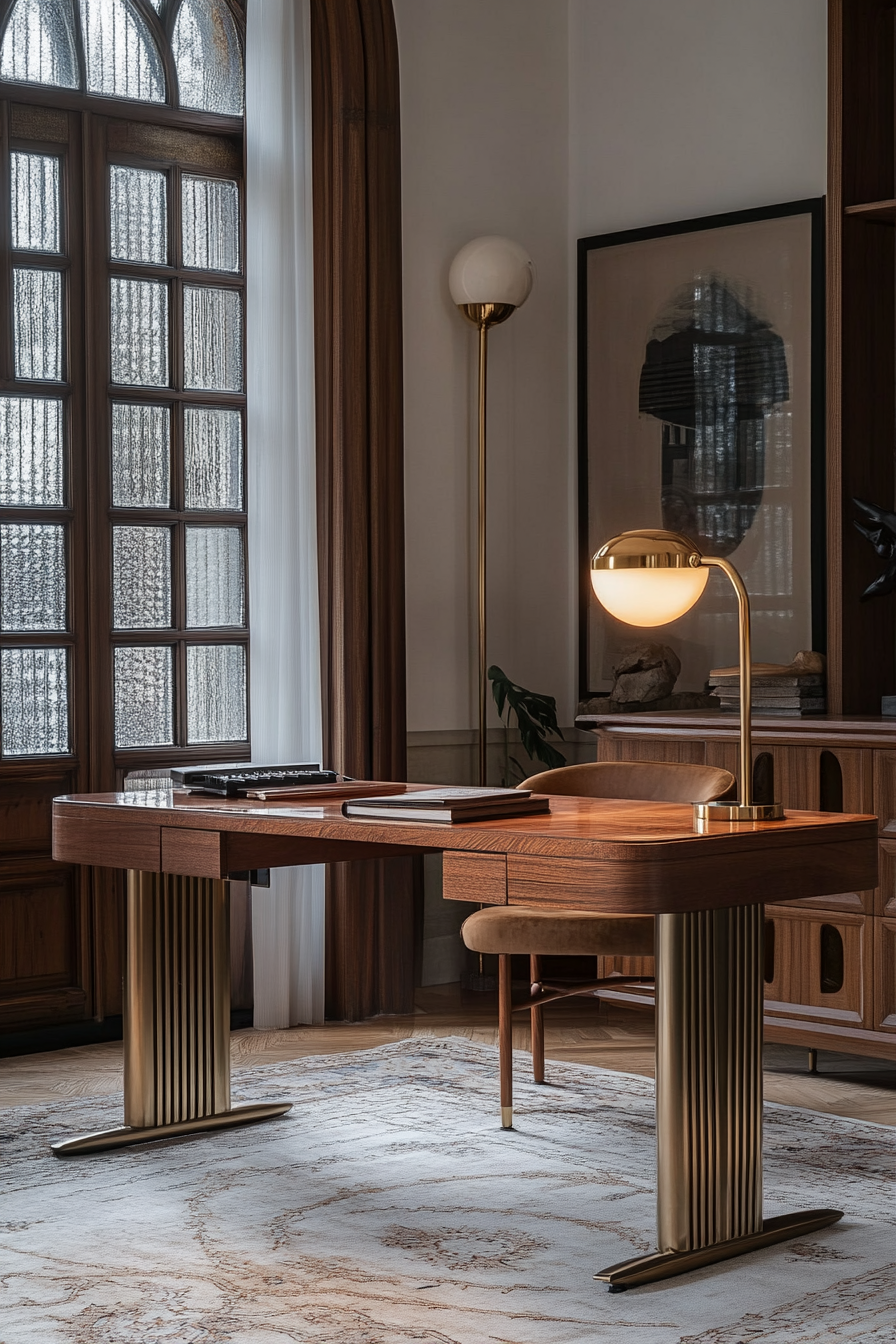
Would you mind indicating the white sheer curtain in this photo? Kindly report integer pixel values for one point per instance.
(288, 919)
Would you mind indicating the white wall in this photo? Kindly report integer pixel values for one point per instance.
(682, 108)
(484, 150)
(549, 120)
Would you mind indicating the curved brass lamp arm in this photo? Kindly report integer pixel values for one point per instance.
(746, 674)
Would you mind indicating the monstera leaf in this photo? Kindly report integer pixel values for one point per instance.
(536, 719)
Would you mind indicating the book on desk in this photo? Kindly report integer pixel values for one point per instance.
(449, 805)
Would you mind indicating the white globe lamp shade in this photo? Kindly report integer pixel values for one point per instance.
(648, 577)
(491, 270)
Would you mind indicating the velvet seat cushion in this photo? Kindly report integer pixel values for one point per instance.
(647, 781)
(558, 933)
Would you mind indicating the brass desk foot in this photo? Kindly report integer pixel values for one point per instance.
(176, 1016)
(666, 1264)
(127, 1135)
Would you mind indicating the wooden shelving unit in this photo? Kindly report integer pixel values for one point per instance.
(883, 211)
(861, 344)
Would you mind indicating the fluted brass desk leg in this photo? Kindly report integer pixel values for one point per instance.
(176, 1016)
(709, 1099)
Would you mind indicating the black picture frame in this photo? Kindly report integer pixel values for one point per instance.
(813, 397)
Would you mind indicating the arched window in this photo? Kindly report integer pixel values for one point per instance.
(117, 48)
(123, 613)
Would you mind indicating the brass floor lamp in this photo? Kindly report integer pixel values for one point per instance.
(489, 279)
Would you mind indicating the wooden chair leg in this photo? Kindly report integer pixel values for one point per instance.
(505, 1040)
(536, 1015)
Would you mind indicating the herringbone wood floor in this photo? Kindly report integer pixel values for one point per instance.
(576, 1030)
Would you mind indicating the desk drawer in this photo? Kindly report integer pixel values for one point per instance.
(554, 883)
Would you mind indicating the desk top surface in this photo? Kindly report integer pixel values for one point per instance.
(575, 827)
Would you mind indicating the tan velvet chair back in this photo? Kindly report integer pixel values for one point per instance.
(645, 781)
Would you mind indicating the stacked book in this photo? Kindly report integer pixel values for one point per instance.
(449, 805)
(777, 691)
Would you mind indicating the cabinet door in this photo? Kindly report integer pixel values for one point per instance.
(618, 748)
(885, 807)
(827, 779)
(818, 966)
(885, 790)
(885, 975)
(885, 896)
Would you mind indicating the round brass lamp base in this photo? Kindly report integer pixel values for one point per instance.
(738, 811)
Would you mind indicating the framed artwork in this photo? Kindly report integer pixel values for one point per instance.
(701, 408)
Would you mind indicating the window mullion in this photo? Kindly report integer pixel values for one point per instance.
(95, 461)
(6, 351)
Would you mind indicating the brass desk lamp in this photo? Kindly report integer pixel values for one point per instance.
(652, 577)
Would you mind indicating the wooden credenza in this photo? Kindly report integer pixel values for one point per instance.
(830, 961)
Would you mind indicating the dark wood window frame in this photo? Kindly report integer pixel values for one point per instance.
(61, 927)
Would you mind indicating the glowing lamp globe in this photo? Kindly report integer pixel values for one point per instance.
(649, 577)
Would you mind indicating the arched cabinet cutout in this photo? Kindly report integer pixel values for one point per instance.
(768, 951)
(764, 778)
(830, 960)
(830, 783)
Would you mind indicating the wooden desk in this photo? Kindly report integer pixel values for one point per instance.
(706, 890)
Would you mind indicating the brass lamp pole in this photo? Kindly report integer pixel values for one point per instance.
(483, 316)
(652, 577)
(489, 279)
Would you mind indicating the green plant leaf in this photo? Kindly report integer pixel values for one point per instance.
(535, 714)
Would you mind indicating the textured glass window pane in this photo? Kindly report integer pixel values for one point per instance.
(140, 456)
(157, 5)
(34, 701)
(216, 693)
(211, 223)
(122, 59)
(213, 458)
(139, 324)
(32, 576)
(144, 685)
(208, 58)
(39, 44)
(37, 323)
(214, 577)
(141, 577)
(35, 201)
(213, 339)
(138, 208)
(31, 470)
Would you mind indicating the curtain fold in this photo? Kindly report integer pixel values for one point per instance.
(358, 379)
(288, 921)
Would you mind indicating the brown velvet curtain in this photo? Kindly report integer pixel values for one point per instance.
(358, 380)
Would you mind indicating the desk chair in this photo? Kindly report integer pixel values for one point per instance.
(505, 931)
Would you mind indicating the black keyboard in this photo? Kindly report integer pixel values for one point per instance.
(234, 782)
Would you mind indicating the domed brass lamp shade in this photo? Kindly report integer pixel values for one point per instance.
(651, 577)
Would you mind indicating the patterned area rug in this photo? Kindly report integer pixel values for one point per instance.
(388, 1207)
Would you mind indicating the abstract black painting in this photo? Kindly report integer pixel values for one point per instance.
(700, 377)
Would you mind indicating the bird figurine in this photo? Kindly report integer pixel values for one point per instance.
(882, 535)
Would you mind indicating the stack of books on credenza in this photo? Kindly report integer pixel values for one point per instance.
(777, 690)
(448, 805)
